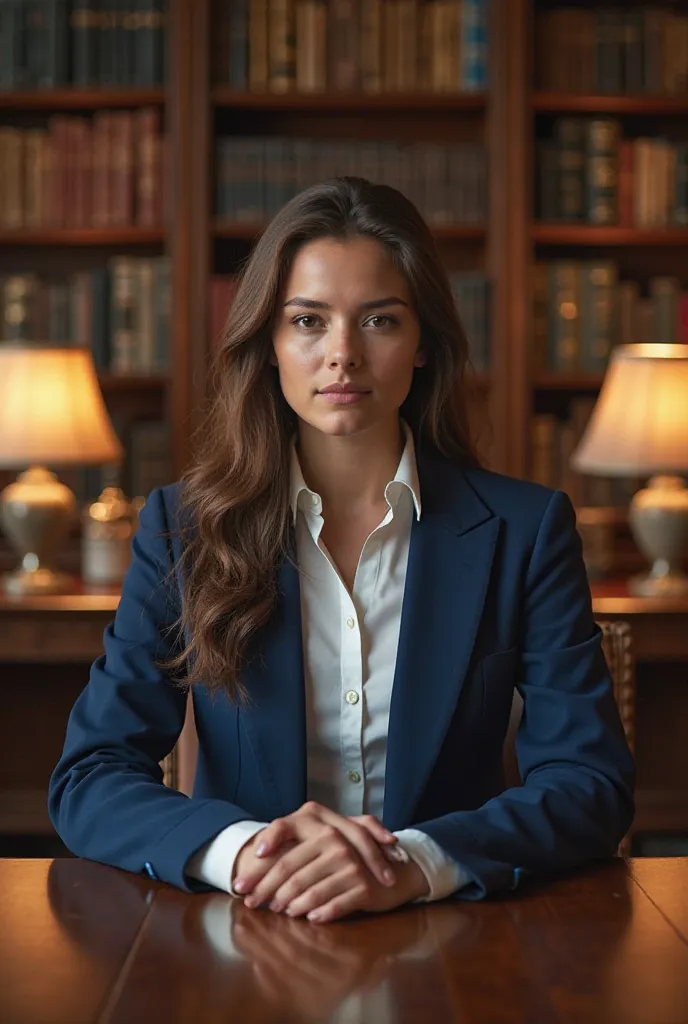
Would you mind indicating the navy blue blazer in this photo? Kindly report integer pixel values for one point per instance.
(496, 597)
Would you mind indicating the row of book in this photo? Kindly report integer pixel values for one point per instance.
(581, 310)
(45, 44)
(147, 461)
(120, 311)
(553, 442)
(630, 49)
(588, 173)
(471, 291)
(77, 172)
(372, 46)
(256, 175)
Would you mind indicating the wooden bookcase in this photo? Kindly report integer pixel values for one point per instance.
(509, 118)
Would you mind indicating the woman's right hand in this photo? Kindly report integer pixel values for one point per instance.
(312, 821)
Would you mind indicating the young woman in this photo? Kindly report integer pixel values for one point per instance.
(351, 600)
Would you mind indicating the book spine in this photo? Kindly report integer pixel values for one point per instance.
(390, 44)
(282, 46)
(84, 24)
(602, 171)
(344, 50)
(11, 39)
(609, 46)
(149, 42)
(564, 321)
(238, 44)
(162, 313)
(570, 136)
(549, 171)
(626, 183)
(258, 45)
(628, 293)
(13, 178)
(123, 314)
(107, 42)
(681, 192)
(665, 293)
(407, 42)
(33, 154)
(540, 315)
(122, 169)
(144, 356)
(633, 56)
(474, 46)
(148, 168)
(598, 314)
(20, 314)
(100, 322)
(371, 45)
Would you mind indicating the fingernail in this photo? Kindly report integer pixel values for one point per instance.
(276, 906)
(250, 902)
(313, 916)
(240, 885)
(389, 877)
(261, 850)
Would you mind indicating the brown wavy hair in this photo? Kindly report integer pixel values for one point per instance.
(235, 493)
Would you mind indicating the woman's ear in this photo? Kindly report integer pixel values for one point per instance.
(420, 358)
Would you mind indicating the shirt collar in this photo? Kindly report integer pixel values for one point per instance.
(406, 476)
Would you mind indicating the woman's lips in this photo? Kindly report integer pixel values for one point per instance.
(343, 397)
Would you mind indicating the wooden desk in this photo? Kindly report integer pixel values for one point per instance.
(47, 644)
(82, 942)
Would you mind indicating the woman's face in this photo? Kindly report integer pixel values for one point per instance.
(346, 317)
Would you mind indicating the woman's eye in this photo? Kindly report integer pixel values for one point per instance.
(307, 321)
(383, 320)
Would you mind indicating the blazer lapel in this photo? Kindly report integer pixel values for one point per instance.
(450, 559)
(275, 718)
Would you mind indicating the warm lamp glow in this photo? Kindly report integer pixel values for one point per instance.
(51, 408)
(639, 426)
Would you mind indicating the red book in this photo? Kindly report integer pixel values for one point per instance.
(57, 172)
(626, 183)
(148, 171)
(122, 169)
(100, 204)
(81, 179)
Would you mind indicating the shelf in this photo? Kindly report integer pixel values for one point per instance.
(324, 101)
(132, 382)
(248, 232)
(80, 99)
(83, 236)
(589, 234)
(572, 103)
(551, 381)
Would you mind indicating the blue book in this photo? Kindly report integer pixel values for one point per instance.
(474, 43)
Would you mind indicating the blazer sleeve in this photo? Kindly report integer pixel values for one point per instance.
(576, 801)
(106, 797)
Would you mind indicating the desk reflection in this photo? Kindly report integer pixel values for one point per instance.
(374, 968)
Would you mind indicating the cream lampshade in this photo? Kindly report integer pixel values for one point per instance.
(639, 427)
(51, 413)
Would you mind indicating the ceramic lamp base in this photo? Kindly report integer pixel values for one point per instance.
(658, 517)
(36, 512)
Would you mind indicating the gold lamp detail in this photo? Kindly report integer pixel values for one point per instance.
(639, 427)
(52, 413)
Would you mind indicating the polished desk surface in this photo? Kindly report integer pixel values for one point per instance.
(83, 942)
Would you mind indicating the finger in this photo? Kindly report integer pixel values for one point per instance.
(339, 906)
(251, 876)
(377, 830)
(343, 884)
(272, 837)
(364, 844)
(280, 871)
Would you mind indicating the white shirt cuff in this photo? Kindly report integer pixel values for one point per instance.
(444, 876)
(214, 862)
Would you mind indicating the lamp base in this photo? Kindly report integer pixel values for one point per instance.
(659, 584)
(24, 583)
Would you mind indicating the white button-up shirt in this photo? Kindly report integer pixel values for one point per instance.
(350, 645)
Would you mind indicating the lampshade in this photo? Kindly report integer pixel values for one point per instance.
(639, 426)
(51, 408)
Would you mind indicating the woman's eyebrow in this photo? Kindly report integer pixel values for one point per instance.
(391, 300)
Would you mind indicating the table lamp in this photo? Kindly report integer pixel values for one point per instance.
(51, 413)
(639, 427)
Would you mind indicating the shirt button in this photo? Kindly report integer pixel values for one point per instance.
(351, 697)
(314, 499)
(351, 623)
(354, 777)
